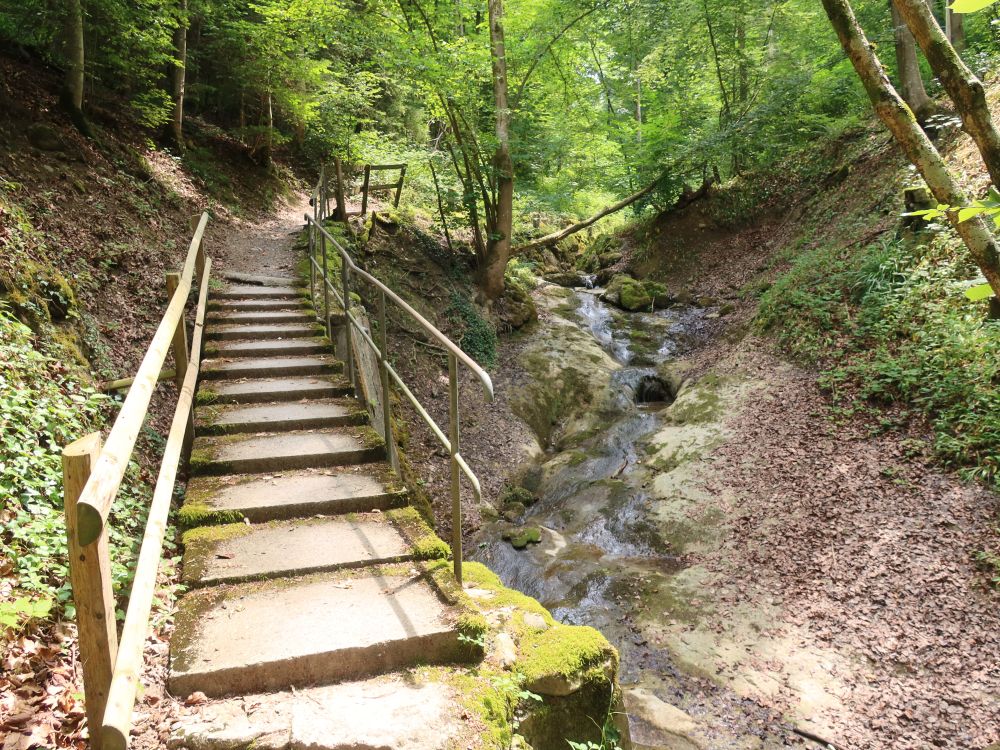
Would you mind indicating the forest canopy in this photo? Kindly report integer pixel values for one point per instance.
(602, 97)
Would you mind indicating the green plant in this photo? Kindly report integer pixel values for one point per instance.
(610, 735)
(479, 337)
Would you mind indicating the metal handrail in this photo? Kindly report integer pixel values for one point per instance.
(318, 269)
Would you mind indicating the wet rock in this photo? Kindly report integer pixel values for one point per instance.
(567, 279)
(607, 260)
(44, 137)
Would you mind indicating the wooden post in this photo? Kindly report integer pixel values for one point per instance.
(364, 190)
(399, 186)
(339, 188)
(199, 261)
(181, 356)
(90, 577)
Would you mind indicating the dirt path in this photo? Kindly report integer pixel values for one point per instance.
(265, 246)
(865, 548)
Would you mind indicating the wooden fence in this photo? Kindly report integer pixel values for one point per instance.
(92, 476)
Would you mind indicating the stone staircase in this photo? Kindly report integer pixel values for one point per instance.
(304, 563)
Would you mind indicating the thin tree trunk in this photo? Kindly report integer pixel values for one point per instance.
(498, 241)
(954, 28)
(73, 82)
(178, 77)
(437, 192)
(551, 239)
(911, 85)
(897, 117)
(965, 90)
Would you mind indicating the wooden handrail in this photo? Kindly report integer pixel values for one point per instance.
(125, 679)
(102, 486)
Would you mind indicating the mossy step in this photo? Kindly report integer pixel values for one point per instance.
(280, 417)
(291, 494)
(289, 450)
(238, 552)
(322, 629)
(262, 390)
(262, 331)
(252, 291)
(252, 305)
(267, 348)
(267, 317)
(266, 367)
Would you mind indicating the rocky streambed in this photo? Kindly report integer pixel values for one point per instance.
(600, 525)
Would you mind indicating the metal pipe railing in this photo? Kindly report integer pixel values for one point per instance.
(357, 335)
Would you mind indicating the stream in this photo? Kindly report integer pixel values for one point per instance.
(608, 556)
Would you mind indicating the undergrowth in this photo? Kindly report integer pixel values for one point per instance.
(479, 337)
(43, 407)
(888, 323)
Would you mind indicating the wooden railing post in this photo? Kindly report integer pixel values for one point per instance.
(399, 186)
(383, 372)
(90, 578)
(364, 190)
(181, 356)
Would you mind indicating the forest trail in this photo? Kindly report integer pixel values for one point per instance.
(321, 584)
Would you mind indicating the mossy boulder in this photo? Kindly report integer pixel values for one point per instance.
(520, 538)
(517, 308)
(627, 293)
(603, 252)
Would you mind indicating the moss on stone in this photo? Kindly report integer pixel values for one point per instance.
(521, 538)
(425, 543)
(195, 513)
(205, 396)
(571, 651)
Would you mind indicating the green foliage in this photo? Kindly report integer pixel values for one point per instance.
(478, 337)
(43, 407)
(887, 324)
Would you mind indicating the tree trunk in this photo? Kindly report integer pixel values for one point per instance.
(178, 77)
(73, 83)
(965, 90)
(897, 117)
(911, 85)
(498, 241)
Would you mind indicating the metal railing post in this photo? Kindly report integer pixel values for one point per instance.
(456, 489)
(326, 287)
(349, 333)
(312, 267)
(383, 371)
(90, 578)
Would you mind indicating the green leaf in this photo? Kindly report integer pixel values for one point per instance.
(979, 292)
(970, 6)
(964, 214)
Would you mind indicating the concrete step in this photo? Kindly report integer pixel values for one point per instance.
(268, 367)
(250, 305)
(294, 494)
(289, 450)
(262, 390)
(262, 331)
(238, 552)
(426, 714)
(240, 639)
(253, 291)
(267, 348)
(260, 317)
(280, 417)
(255, 279)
